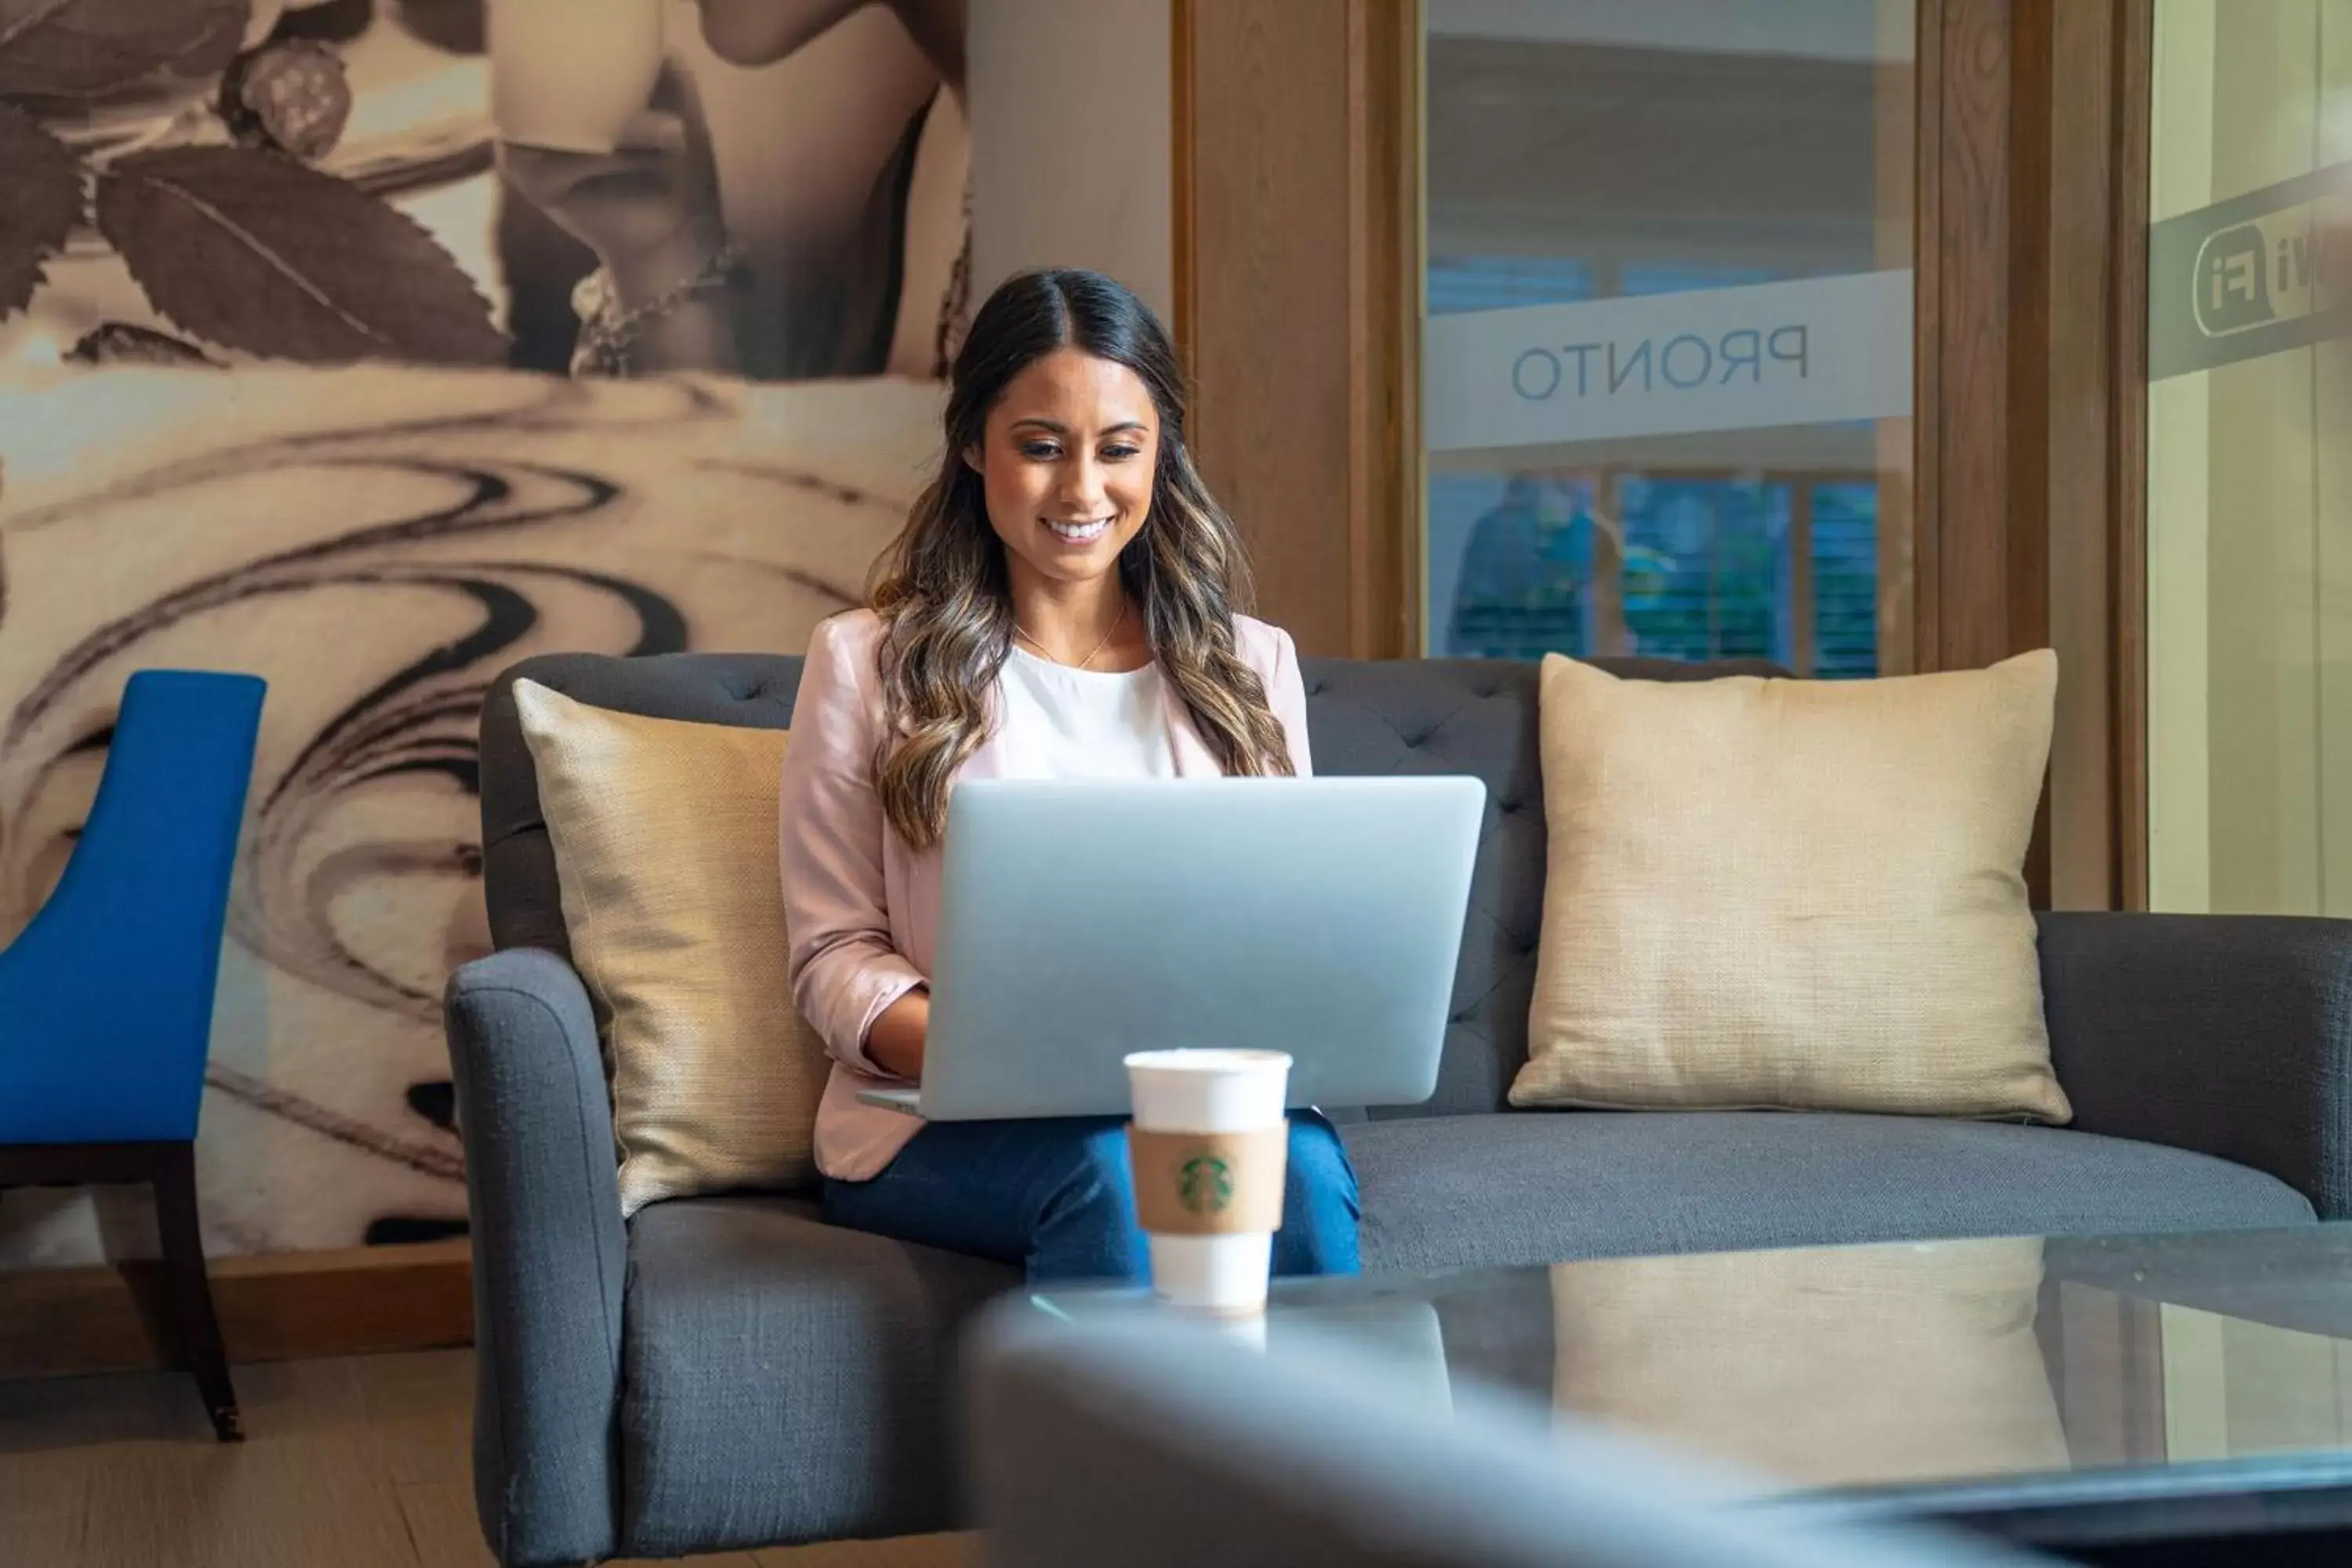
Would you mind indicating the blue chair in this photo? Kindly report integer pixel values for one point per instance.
(105, 999)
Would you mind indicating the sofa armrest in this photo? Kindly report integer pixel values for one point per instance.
(549, 1258)
(2228, 1035)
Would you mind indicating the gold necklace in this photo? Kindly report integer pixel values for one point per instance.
(1023, 632)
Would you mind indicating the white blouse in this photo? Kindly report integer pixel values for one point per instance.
(1056, 723)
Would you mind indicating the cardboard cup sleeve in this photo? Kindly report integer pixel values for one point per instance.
(1209, 1183)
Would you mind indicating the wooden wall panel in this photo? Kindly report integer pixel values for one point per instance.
(1268, 231)
(1295, 210)
(279, 1307)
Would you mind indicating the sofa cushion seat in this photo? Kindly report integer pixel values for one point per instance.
(783, 1379)
(1534, 1187)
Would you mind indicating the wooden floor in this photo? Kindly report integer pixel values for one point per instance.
(358, 1463)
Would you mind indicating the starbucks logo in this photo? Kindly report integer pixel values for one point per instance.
(1204, 1184)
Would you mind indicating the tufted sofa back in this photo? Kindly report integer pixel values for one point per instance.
(1476, 717)
(1433, 716)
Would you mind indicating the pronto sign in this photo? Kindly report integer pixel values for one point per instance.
(1819, 351)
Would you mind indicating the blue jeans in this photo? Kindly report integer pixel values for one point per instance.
(1058, 1198)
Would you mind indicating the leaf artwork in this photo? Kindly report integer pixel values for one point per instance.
(42, 203)
(96, 49)
(257, 253)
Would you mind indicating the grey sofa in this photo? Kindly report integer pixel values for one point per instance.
(731, 1372)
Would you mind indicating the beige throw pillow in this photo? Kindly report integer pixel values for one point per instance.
(664, 838)
(1792, 893)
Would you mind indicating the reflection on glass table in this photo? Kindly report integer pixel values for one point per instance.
(2068, 1391)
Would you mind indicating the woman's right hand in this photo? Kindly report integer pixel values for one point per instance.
(895, 1040)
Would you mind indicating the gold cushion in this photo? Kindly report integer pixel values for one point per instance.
(665, 837)
(1792, 893)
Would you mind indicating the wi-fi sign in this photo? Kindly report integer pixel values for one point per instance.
(2252, 276)
(2255, 273)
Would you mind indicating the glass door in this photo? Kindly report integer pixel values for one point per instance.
(1667, 329)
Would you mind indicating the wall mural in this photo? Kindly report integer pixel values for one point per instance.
(300, 375)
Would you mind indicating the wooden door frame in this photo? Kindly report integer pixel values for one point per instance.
(2133, 131)
(2030, 395)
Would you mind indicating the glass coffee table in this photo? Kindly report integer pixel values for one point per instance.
(2104, 1398)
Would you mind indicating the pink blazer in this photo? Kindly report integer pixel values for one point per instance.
(861, 906)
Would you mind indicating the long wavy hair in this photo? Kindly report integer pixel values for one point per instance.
(942, 588)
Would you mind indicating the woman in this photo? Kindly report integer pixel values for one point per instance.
(1060, 604)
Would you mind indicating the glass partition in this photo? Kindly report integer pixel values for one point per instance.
(2249, 576)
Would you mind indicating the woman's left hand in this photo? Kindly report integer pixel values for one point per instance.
(894, 1042)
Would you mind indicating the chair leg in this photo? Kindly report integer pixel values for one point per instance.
(191, 1289)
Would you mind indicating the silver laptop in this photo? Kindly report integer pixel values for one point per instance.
(1081, 921)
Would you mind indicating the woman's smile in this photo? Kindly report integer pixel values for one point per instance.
(1080, 533)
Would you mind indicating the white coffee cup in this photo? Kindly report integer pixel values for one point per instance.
(570, 75)
(1210, 1140)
